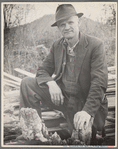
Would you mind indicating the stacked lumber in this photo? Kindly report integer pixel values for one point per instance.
(54, 120)
(110, 120)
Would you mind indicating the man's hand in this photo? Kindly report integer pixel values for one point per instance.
(55, 93)
(81, 120)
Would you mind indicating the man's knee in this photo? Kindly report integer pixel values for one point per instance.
(27, 81)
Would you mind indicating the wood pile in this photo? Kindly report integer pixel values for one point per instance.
(110, 121)
(54, 120)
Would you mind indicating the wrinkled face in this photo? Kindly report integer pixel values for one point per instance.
(69, 28)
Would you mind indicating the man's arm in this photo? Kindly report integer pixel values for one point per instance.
(55, 93)
(47, 68)
(99, 77)
(44, 74)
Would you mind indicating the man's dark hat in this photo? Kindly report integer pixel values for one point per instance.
(65, 11)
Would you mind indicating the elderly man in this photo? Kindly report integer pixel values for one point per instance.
(78, 88)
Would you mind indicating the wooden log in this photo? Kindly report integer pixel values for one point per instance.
(12, 77)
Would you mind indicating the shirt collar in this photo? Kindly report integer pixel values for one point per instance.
(66, 43)
(70, 50)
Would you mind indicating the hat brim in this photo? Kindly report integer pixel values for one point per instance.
(78, 14)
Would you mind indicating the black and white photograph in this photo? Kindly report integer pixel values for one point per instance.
(59, 74)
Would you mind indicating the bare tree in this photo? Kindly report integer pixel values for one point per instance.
(110, 8)
(14, 14)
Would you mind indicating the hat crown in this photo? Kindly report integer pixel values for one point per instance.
(64, 10)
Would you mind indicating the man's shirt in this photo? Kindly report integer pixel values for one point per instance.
(69, 77)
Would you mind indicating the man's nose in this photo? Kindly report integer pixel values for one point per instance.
(67, 26)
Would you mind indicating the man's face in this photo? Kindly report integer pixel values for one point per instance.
(69, 28)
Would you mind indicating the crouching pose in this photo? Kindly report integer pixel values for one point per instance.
(78, 88)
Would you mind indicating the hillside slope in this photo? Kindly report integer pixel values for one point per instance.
(29, 36)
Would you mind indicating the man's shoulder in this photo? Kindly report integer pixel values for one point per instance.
(92, 40)
(58, 42)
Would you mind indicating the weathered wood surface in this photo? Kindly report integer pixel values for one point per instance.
(6, 75)
(25, 72)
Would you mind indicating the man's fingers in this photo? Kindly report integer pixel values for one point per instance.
(62, 99)
(76, 121)
(80, 124)
(81, 120)
(52, 98)
(55, 99)
(58, 99)
(86, 124)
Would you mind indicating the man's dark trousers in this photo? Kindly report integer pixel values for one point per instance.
(31, 95)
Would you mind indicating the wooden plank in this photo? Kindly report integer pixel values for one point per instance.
(12, 82)
(110, 90)
(110, 119)
(25, 72)
(112, 68)
(111, 77)
(111, 108)
(110, 94)
(12, 77)
(110, 135)
(111, 125)
(55, 129)
(111, 103)
(111, 113)
(11, 85)
(48, 115)
(111, 81)
(111, 130)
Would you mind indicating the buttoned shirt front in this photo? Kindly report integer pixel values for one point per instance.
(69, 77)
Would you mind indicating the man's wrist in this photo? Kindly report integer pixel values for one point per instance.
(50, 82)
